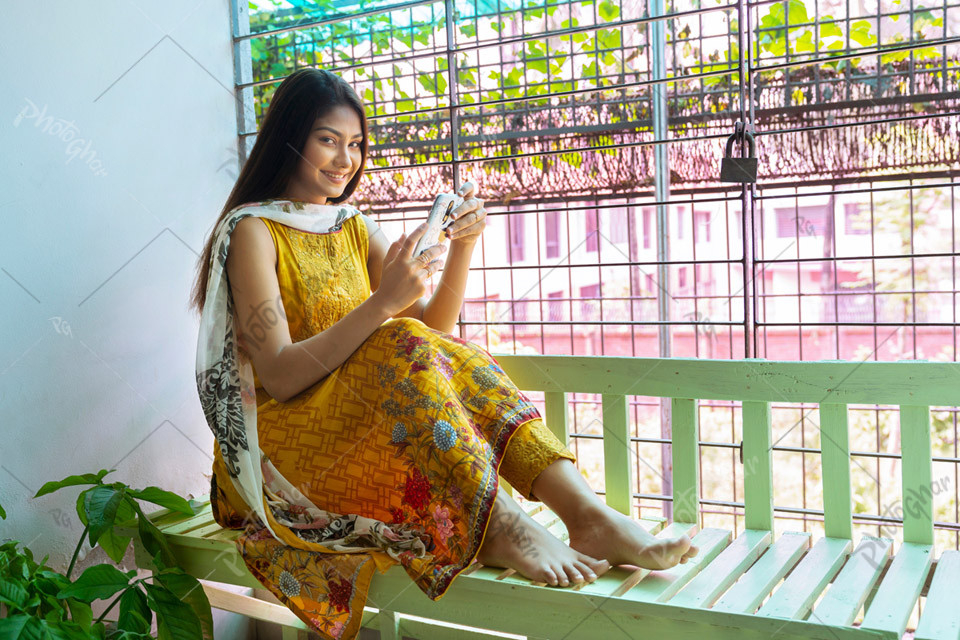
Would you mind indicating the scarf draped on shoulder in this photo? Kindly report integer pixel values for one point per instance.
(226, 389)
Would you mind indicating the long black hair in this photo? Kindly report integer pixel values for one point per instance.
(302, 97)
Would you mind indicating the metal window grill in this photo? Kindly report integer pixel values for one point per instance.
(605, 120)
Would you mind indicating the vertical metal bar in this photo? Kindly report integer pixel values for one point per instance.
(658, 71)
(748, 191)
(243, 74)
(452, 86)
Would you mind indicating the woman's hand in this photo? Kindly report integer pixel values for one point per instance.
(403, 278)
(469, 218)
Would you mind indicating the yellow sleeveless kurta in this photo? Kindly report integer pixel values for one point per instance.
(412, 428)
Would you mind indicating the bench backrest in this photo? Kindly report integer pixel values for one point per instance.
(914, 386)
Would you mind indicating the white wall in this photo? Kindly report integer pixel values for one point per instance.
(105, 206)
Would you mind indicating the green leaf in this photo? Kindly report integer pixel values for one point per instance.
(13, 627)
(804, 44)
(830, 30)
(69, 481)
(175, 619)
(153, 541)
(113, 544)
(860, 33)
(798, 13)
(12, 594)
(97, 582)
(80, 500)
(135, 613)
(64, 630)
(3, 514)
(608, 10)
(100, 505)
(609, 38)
(80, 612)
(132, 635)
(189, 590)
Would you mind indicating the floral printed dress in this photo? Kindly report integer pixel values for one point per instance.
(411, 430)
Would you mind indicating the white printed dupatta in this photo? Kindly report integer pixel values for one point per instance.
(225, 385)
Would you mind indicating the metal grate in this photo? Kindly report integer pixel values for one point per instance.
(594, 129)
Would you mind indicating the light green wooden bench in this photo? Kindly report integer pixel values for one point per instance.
(752, 586)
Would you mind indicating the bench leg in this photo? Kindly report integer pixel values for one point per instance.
(389, 625)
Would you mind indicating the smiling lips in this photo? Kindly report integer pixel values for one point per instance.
(337, 178)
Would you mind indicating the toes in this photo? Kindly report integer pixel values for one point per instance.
(548, 576)
(574, 573)
(586, 571)
(597, 566)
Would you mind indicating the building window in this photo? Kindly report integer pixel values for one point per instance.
(647, 228)
(555, 306)
(590, 309)
(855, 220)
(682, 278)
(551, 220)
(703, 274)
(651, 283)
(679, 224)
(515, 225)
(702, 219)
(520, 312)
(593, 238)
(801, 221)
(617, 223)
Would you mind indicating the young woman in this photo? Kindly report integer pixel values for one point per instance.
(369, 433)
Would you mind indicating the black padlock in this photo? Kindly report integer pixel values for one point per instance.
(733, 169)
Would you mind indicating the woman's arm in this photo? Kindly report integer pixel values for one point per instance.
(286, 368)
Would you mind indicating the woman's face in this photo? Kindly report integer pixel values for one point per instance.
(331, 156)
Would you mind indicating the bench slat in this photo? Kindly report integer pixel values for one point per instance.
(251, 607)
(835, 458)
(747, 594)
(225, 535)
(686, 460)
(900, 589)
(940, 619)
(757, 466)
(929, 383)
(555, 404)
(849, 590)
(616, 452)
(808, 580)
(202, 519)
(917, 474)
(167, 517)
(712, 581)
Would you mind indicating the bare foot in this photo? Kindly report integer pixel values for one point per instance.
(613, 536)
(515, 541)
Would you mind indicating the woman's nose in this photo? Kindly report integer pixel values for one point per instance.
(343, 157)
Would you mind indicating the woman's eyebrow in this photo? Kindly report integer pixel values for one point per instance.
(331, 129)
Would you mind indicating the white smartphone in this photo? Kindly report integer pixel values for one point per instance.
(438, 219)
